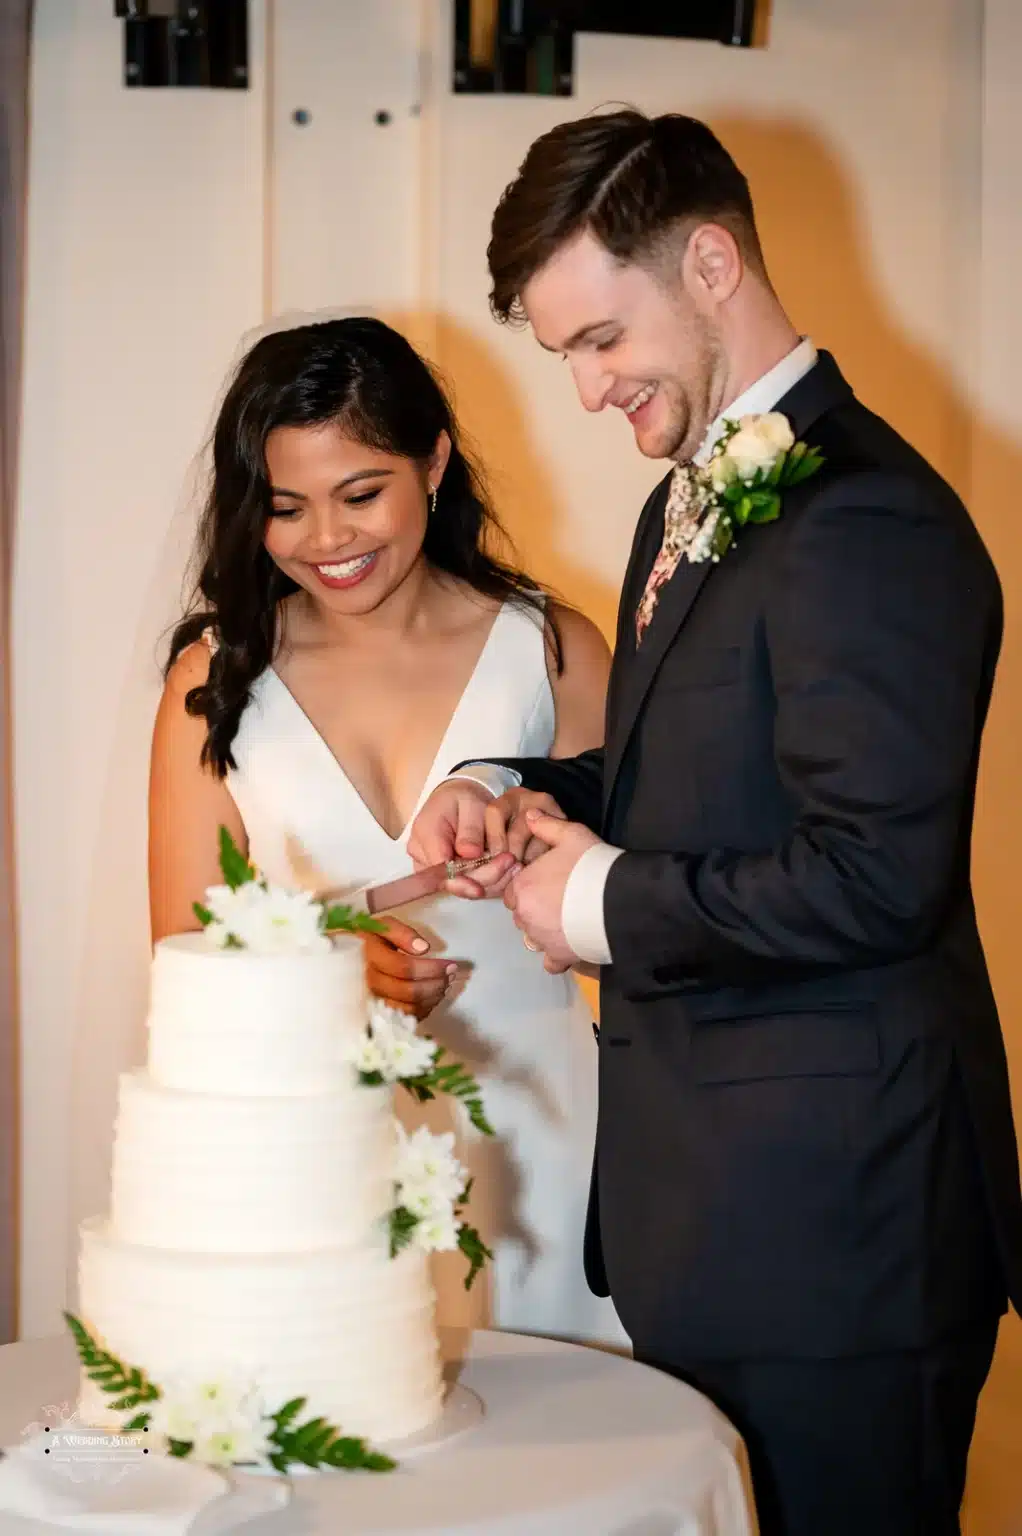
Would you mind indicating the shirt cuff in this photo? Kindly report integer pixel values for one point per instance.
(490, 775)
(582, 904)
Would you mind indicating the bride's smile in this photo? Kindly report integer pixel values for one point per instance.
(346, 521)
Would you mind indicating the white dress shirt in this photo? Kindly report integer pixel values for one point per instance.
(582, 907)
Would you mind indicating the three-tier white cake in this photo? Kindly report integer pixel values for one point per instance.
(253, 1175)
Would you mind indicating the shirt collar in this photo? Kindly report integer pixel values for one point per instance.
(764, 394)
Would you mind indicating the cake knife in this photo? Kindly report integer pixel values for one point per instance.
(424, 882)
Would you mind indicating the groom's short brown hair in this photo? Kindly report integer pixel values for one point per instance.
(632, 180)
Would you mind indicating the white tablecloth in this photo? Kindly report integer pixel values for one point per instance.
(573, 1442)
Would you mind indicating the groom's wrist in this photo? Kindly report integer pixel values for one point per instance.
(490, 775)
(582, 904)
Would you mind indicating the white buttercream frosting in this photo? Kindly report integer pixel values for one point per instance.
(250, 1175)
(227, 1021)
(350, 1329)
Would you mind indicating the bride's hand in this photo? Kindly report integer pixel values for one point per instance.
(506, 832)
(399, 972)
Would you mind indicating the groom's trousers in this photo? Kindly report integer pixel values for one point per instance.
(873, 1444)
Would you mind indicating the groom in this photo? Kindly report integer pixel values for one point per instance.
(806, 1196)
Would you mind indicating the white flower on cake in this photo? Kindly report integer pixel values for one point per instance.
(430, 1191)
(391, 1049)
(247, 912)
(265, 918)
(174, 1417)
(222, 1419)
(227, 1444)
(437, 1234)
(430, 1185)
(370, 1061)
(428, 1168)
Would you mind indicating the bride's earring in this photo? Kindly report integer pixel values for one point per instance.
(432, 500)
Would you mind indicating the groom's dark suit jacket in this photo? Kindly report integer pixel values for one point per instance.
(805, 1140)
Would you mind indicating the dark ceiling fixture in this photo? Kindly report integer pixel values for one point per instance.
(527, 47)
(185, 43)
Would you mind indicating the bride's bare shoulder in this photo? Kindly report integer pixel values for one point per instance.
(578, 666)
(190, 669)
(581, 644)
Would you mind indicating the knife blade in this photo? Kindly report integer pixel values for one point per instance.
(424, 882)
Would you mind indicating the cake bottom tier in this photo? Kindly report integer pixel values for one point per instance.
(351, 1330)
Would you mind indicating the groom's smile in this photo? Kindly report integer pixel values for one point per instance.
(637, 401)
(641, 409)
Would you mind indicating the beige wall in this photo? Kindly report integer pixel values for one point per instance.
(887, 190)
(144, 265)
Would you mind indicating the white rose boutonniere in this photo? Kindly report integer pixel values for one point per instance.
(753, 461)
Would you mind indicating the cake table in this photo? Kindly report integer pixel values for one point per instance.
(572, 1442)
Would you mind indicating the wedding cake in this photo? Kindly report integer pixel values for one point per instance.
(264, 1200)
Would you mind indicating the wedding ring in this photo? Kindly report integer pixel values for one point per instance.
(529, 944)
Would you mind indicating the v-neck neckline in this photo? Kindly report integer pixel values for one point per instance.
(324, 745)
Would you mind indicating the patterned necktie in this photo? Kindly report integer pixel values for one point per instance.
(682, 516)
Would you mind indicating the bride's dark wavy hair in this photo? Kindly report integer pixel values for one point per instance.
(367, 378)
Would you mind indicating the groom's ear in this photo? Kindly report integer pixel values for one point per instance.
(713, 265)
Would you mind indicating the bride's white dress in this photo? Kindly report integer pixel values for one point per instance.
(527, 1035)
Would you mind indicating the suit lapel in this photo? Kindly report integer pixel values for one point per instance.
(820, 390)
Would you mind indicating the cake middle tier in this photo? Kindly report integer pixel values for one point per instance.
(218, 1174)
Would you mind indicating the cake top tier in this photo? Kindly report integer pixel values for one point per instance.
(239, 1022)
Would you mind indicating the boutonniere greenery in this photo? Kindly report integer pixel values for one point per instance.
(753, 461)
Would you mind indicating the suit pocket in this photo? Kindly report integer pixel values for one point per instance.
(691, 668)
(824, 1042)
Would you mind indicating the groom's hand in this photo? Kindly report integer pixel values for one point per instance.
(536, 896)
(508, 827)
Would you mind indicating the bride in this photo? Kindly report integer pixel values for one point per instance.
(352, 638)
